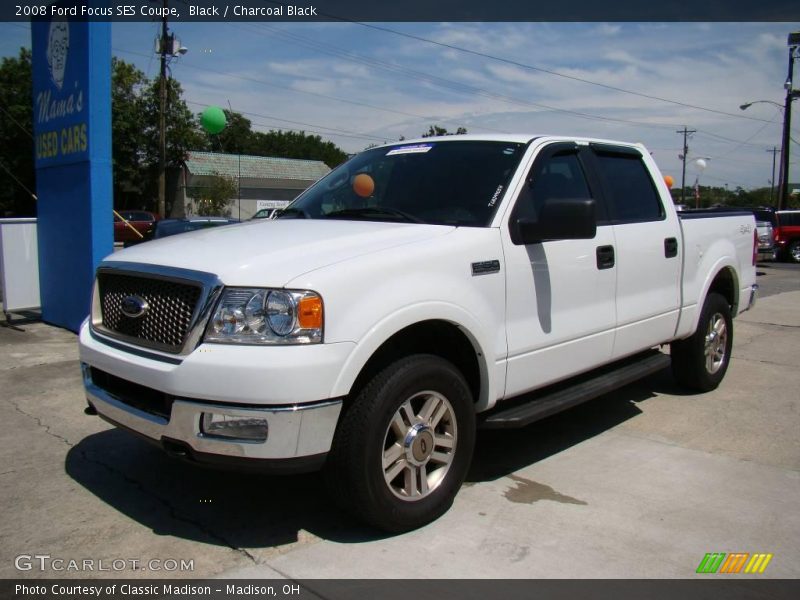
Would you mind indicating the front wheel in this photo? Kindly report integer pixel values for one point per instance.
(700, 361)
(403, 447)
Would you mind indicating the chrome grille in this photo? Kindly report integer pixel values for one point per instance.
(164, 325)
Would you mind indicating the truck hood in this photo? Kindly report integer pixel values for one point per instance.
(272, 253)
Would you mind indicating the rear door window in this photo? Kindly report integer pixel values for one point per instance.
(631, 195)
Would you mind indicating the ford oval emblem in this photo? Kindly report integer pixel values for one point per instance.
(134, 307)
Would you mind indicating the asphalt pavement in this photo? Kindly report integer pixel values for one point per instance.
(641, 483)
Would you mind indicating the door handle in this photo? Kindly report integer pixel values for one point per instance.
(670, 247)
(605, 257)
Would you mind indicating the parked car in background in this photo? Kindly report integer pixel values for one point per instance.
(766, 241)
(140, 220)
(266, 213)
(168, 227)
(766, 222)
(787, 235)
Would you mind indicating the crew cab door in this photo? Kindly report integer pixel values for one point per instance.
(560, 299)
(648, 248)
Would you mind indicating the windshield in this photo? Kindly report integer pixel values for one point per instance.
(440, 183)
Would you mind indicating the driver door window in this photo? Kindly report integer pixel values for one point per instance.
(561, 176)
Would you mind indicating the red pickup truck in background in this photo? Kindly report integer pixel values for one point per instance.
(140, 220)
(787, 235)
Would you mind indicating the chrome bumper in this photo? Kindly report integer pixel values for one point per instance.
(294, 432)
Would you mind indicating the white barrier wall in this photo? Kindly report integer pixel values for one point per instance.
(19, 265)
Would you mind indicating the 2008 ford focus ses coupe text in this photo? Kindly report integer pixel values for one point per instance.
(418, 291)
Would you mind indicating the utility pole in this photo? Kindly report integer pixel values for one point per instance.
(772, 181)
(783, 195)
(686, 133)
(162, 125)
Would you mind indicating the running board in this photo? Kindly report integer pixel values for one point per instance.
(527, 409)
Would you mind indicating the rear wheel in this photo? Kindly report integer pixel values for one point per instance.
(700, 361)
(402, 449)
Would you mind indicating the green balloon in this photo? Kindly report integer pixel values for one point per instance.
(213, 119)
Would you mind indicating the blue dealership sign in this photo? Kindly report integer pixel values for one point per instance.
(60, 108)
(72, 131)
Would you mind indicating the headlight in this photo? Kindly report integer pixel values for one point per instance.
(264, 316)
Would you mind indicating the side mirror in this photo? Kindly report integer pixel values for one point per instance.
(559, 219)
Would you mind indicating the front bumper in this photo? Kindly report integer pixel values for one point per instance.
(289, 386)
(298, 435)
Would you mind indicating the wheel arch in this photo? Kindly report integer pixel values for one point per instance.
(439, 335)
(724, 282)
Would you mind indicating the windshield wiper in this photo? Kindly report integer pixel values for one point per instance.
(374, 211)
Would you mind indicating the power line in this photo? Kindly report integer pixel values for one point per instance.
(726, 180)
(443, 82)
(732, 150)
(273, 126)
(17, 123)
(530, 67)
(728, 140)
(550, 72)
(458, 86)
(22, 185)
(308, 93)
(329, 49)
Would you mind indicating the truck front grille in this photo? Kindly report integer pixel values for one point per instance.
(164, 325)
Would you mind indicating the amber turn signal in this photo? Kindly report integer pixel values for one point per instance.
(309, 312)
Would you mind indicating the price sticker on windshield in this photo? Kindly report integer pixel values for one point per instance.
(415, 149)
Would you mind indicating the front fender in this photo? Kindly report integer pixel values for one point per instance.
(491, 373)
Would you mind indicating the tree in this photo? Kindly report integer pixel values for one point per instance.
(16, 136)
(127, 133)
(135, 137)
(435, 130)
(298, 144)
(721, 196)
(182, 135)
(212, 198)
(135, 134)
(238, 137)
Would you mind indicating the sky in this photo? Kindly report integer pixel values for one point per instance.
(358, 85)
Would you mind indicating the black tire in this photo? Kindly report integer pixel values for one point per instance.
(366, 437)
(699, 362)
(793, 251)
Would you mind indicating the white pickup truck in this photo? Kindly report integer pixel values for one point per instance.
(417, 292)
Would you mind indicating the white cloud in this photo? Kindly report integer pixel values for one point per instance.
(718, 66)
